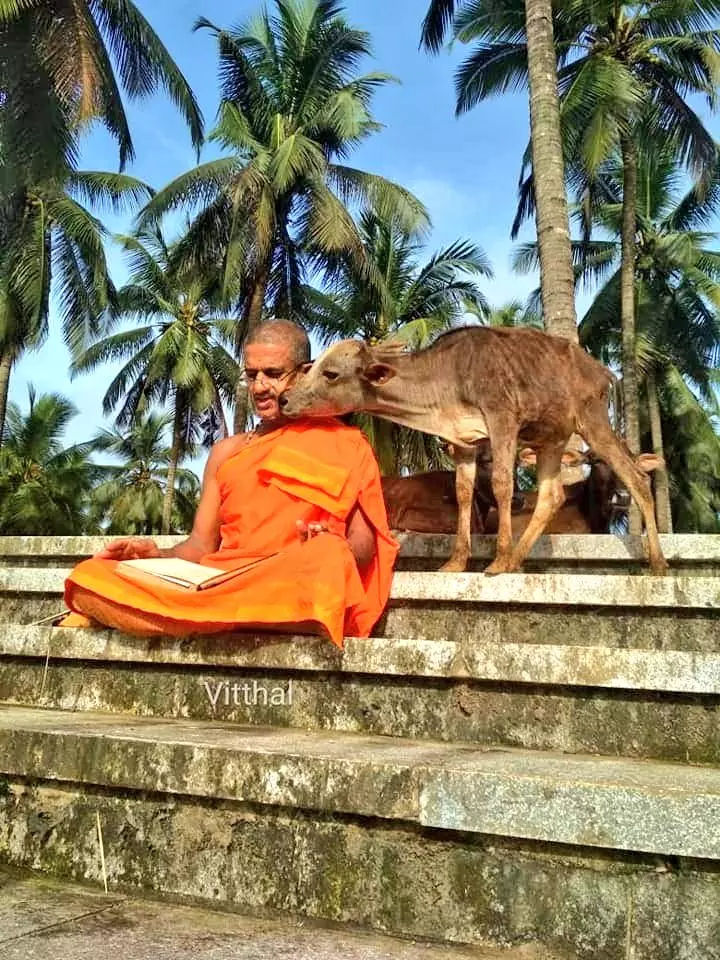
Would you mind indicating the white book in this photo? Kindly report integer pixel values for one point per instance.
(183, 573)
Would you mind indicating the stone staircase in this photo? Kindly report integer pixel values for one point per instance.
(523, 759)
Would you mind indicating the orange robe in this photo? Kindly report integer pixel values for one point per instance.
(315, 471)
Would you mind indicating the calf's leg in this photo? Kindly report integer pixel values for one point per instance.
(504, 443)
(599, 435)
(465, 470)
(550, 497)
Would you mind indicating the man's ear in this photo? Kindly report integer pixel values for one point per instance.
(378, 373)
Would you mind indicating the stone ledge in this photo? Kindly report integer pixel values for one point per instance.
(701, 548)
(671, 671)
(667, 809)
(529, 589)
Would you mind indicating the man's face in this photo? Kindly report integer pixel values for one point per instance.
(269, 371)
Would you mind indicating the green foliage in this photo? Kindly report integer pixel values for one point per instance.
(44, 488)
(177, 355)
(62, 67)
(293, 106)
(129, 499)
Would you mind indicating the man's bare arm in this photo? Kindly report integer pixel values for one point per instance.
(361, 538)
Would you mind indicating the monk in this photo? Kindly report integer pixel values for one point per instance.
(304, 495)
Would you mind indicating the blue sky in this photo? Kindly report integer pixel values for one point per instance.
(465, 170)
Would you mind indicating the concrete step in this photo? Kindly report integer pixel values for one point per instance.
(686, 553)
(605, 858)
(655, 704)
(677, 612)
(667, 809)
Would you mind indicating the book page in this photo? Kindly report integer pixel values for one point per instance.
(175, 569)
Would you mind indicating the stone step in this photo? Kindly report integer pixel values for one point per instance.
(604, 858)
(667, 809)
(655, 704)
(677, 612)
(686, 553)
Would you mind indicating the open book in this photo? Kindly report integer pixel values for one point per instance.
(183, 573)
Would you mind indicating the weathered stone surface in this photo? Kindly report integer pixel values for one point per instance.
(676, 671)
(568, 720)
(567, 590)
(573, 548)
(592, 801)
(406, 880)
(529, 589)
(590, 626)
(42, 919)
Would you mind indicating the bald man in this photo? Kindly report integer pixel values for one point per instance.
(304, 498)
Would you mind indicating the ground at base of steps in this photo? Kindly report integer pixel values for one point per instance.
(42, 919)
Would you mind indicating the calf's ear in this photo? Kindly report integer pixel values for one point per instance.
(378, 373)
(527, 457)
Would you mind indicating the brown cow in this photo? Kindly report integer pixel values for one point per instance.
(426, 502)
(511, 385)
(590, 504)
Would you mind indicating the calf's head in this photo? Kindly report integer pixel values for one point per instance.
(345, 378)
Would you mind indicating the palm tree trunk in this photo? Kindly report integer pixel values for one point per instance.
(663, 509)
(6, 362)
(172, 467)
(256, 300)
(627, 313)
(553, 227)
(251, 319)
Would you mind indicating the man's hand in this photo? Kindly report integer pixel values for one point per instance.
(306, 531)
(131, 548)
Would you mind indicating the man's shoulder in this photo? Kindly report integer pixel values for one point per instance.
(342, 433)
(225, 448)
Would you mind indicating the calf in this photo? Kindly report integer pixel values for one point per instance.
(427, 503)
(508, 385)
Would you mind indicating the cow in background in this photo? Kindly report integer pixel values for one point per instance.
(591, 504)
(426, 502)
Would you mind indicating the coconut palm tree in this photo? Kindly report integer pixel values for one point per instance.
(293, 106)
(63, 66)
(514, 314)
(411, 302)
(177, 355)
(525, 42)
(691, 443)
(59, 250)
(44, 486)
(130, 498)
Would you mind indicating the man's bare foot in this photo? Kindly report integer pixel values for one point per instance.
(77, 620)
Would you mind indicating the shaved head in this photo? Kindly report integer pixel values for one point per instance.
(282, 332)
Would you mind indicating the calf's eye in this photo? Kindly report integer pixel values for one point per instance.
(330, 375)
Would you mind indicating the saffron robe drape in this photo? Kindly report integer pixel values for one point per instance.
(315, 471)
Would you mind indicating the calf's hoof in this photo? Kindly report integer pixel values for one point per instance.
(498, 566)
(453, 566)
(659, 567)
